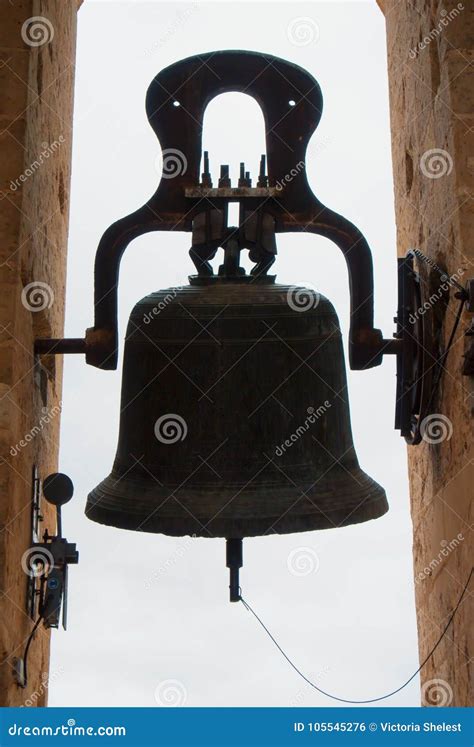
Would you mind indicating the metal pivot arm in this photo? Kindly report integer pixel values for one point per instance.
(291, 103)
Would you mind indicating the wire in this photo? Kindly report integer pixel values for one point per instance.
(27, 648)
(444, 357)
(371, 700)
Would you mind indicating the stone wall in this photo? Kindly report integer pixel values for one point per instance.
(430, 67)
(36, 80)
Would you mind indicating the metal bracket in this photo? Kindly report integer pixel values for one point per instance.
(47, 560)
(416, 358)
(419, 366)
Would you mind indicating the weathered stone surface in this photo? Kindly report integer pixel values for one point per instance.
(35, 111)
(431, 101)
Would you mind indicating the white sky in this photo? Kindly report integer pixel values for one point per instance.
(132, 626)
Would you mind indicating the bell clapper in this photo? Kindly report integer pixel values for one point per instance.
(234, 562)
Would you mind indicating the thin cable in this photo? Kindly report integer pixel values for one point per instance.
(444, 357)
(371, 700)
(27, 648)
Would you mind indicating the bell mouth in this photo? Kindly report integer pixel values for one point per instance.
(343, 499)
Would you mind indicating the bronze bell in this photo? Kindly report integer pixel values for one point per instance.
(235, 419)
(234, 416)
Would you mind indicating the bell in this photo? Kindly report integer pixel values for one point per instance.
(234, 416)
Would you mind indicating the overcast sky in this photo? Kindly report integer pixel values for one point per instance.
(149, 617)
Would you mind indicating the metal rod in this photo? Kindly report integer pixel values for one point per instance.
(262, 177)
(206, 180)
(64, 346)
(392, 347)
(234, 561)
(59, 522)
(224, 180)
